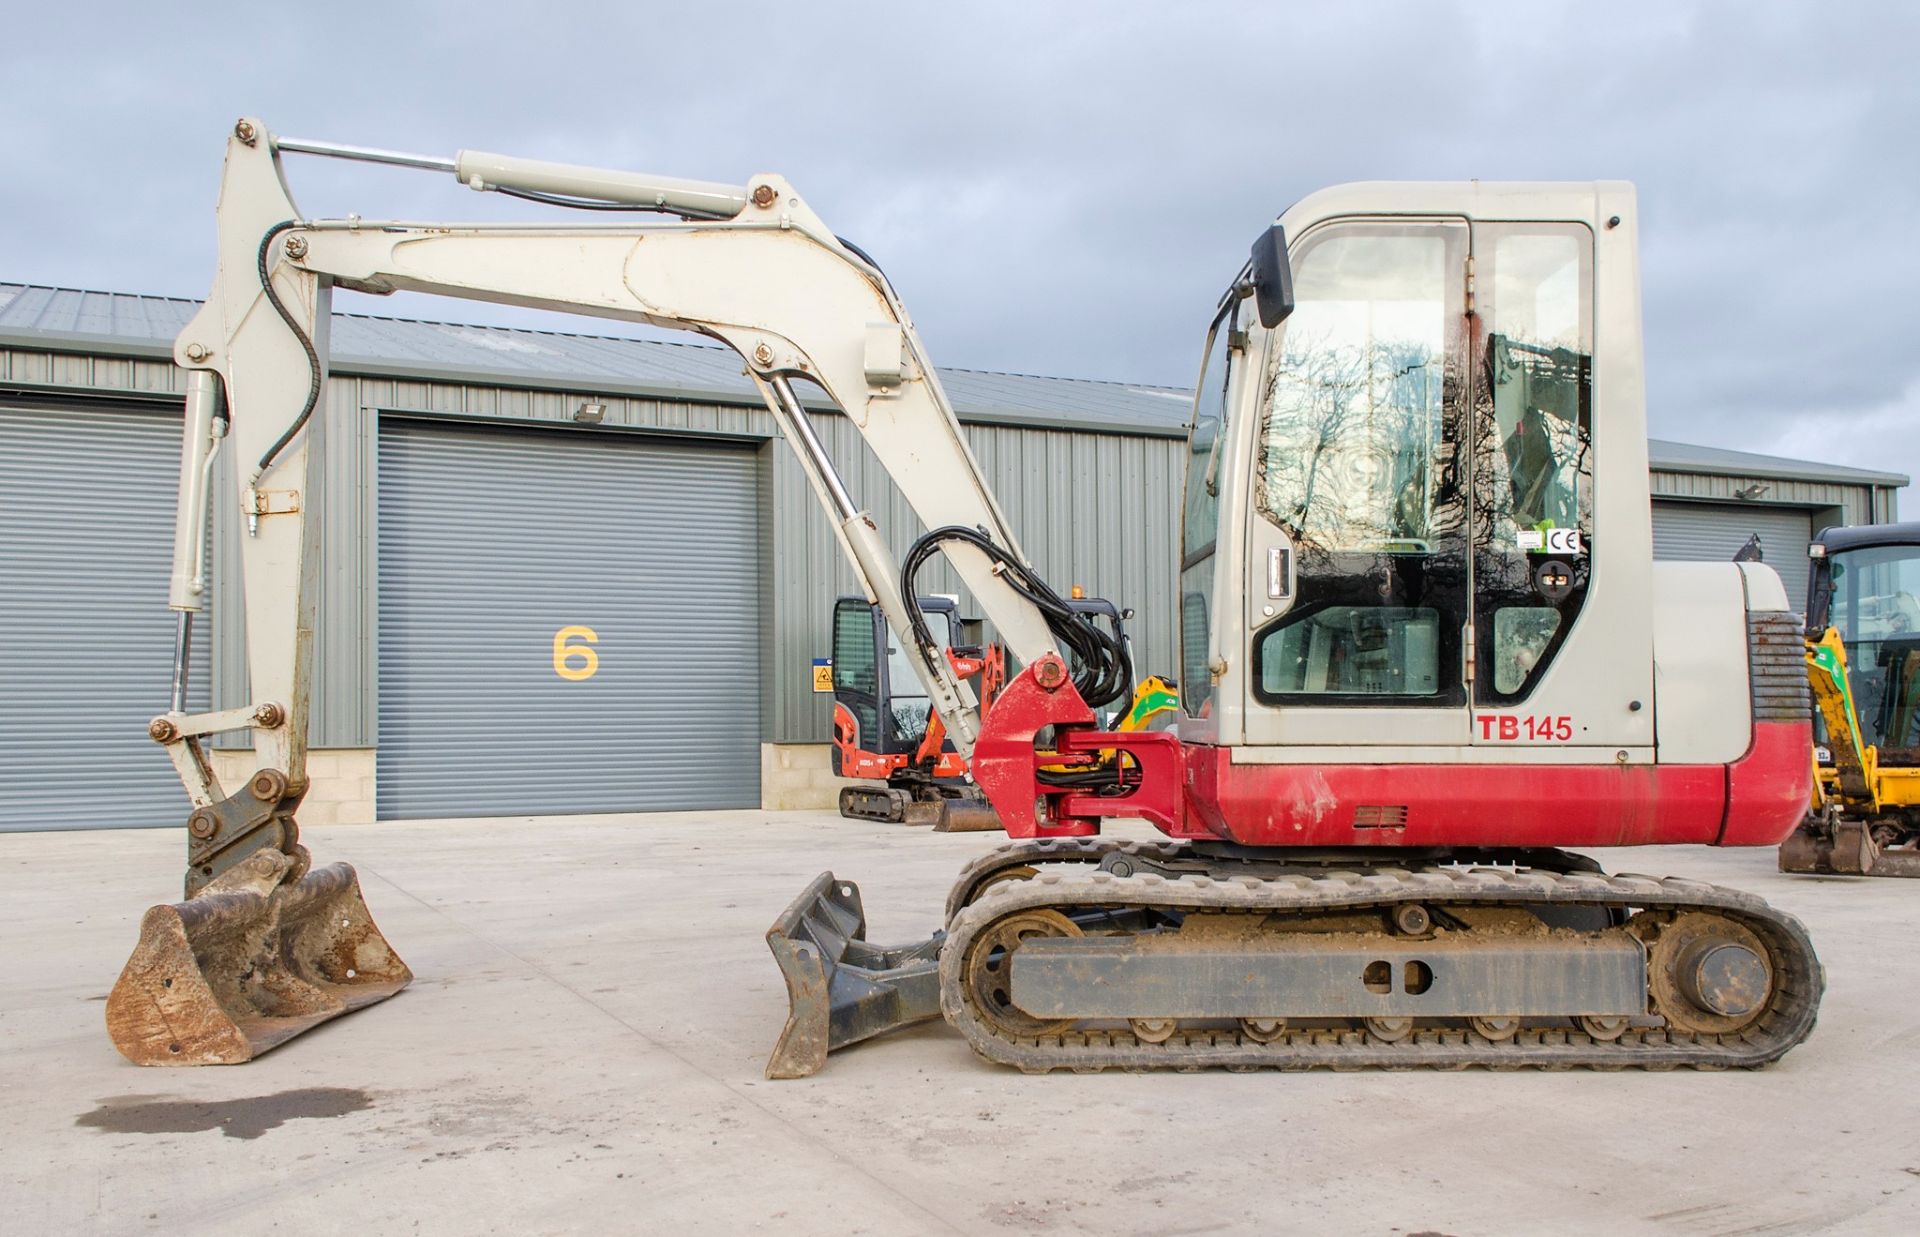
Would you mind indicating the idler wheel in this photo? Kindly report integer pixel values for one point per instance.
(989, 971)
(1709, 975)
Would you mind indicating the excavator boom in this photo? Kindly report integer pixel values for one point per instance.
(749, 265)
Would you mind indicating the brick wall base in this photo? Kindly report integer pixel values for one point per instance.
(798, 775)
(341, 777)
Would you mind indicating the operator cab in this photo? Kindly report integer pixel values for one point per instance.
(874, 682)
(1865, 585)
(1404, 461)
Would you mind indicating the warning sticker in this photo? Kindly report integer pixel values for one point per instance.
(822, 674)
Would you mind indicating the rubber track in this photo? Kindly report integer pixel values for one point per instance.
(1787, 1021)
(1029, 851)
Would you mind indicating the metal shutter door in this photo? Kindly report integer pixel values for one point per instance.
(86, 639)
(491, 541)
(1714, 532)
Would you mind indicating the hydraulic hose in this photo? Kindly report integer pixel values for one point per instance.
(1105, 669)
(313, 357)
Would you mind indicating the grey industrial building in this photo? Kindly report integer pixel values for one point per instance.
(486, 489)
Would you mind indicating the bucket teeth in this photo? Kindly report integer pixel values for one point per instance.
(225, 976)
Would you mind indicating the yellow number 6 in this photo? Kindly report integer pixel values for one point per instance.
(575, 661)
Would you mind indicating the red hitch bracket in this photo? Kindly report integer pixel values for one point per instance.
(1009, 758)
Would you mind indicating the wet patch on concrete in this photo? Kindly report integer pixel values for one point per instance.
(242, 1118)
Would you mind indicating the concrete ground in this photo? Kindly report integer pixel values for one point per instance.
(582, 1052)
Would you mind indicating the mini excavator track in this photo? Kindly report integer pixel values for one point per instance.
(1361, 965)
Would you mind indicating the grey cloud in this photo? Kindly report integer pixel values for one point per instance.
(1064, 188)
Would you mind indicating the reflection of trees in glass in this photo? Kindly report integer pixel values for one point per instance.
(1531, 420)
(1533, 467)
(1352, 428)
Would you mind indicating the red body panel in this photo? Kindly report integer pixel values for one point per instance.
(1189, 790)
(850, 759)
(1770, 790)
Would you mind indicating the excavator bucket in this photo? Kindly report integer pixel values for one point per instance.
(223, 976)
(971, 814)
(840, 989)
(1845, 848)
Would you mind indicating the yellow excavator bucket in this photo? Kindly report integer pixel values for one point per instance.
(248, 964)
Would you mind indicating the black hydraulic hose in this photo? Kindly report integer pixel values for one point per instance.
(313, 357)
(1106, 668)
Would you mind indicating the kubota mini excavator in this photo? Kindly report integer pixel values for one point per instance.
(1424, 645)
(1863, 660)
(885, 732)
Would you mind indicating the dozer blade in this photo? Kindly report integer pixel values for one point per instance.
(228, 974)
(840, 989)
(968, 815)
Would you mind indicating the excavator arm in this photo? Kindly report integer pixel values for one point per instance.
(751, 266)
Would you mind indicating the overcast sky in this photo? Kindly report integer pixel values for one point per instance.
(1061, 188)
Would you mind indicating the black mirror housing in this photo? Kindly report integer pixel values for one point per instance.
(1272, 277)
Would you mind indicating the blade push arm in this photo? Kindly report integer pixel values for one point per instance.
(751, 266)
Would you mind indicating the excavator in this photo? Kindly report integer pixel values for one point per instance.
(1424, 648)
(1863, 662)
(884, 731)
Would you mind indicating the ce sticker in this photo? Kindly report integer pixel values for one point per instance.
(1563, 541)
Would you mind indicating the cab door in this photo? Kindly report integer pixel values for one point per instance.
(1531, 418)
(1358, 592)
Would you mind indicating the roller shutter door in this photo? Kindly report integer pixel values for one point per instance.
(86, 639)
(1714, 532)
(493, 542)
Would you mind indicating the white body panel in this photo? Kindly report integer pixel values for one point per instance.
(1703, 710)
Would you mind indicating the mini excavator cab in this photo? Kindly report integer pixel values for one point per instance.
(1865, 588)
(1408, 461)
(1863, 660)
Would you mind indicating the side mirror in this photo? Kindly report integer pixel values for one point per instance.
(1272, 277)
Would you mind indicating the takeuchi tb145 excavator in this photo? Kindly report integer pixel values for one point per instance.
(1424, 649)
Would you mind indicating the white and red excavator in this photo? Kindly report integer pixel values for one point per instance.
(1424, 648)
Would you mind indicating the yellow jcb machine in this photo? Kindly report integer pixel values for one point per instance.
(1863, 660)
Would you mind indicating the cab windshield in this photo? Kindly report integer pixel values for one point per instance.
(1876, 610)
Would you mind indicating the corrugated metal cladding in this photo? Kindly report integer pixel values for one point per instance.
(1101, 511)
(86, 639)
(1088, 472)
(568, 623)
(1715, 532)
